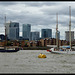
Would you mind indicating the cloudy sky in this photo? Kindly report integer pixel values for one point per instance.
(40, 14)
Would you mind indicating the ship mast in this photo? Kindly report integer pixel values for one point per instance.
(70, 26)
(57, 31)
(5, 29)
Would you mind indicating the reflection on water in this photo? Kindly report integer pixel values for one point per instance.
(27, 61)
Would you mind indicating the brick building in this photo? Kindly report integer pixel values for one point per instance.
(39, 43)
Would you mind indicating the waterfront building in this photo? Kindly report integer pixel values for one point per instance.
(46, 33)
(67, 35)
(26, 29)
(21, 38)
(58, 34)
(12, 30)
(34, 36)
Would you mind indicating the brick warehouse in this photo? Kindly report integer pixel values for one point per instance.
(39, 43)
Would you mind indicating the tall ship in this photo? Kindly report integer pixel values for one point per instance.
(63, 49)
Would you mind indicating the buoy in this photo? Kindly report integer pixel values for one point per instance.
(41, 55)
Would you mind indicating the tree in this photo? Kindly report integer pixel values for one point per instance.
(8, 43)
(26, 45)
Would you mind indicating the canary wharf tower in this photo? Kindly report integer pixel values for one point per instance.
(12, 30)
(26, 29)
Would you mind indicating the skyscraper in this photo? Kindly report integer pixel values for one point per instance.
(26, 29)
(12, 30)
(46, 33)
(34, 36)
(58, 34)
(67, 35)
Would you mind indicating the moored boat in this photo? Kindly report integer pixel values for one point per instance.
(65, 49)
(61, 51)
(9, 49)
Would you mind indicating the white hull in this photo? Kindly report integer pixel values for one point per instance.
(63, 52)
(66, 51)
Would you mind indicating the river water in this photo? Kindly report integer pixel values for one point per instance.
(27, 61)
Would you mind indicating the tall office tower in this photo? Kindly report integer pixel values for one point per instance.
(46, 33)
(12, 30)
(58, 34)
(34, 36)
(67, 35)
(26, 29)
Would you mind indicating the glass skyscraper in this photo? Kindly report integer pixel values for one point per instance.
(26, 29)
(12, 30)
(34, 36)
(46, 33)
(67, 36)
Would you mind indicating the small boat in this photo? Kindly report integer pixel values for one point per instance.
(41, 55)
(9, 50)
(6, 49)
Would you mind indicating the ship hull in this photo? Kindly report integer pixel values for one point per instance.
(61, 52)
(9, 50)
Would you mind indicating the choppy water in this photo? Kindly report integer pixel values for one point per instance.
(27, 61)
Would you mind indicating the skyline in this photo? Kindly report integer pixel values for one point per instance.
(40, 15)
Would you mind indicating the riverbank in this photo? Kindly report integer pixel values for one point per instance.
(34, 48)
(28, 48)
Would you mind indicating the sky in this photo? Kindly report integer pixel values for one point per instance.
(40, 14)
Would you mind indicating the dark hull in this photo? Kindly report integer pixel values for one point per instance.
(9, 50)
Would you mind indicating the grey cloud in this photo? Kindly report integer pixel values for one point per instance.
(46, 19)
(27, 3)
(7, 3)
(39, 3)
(55, 9)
